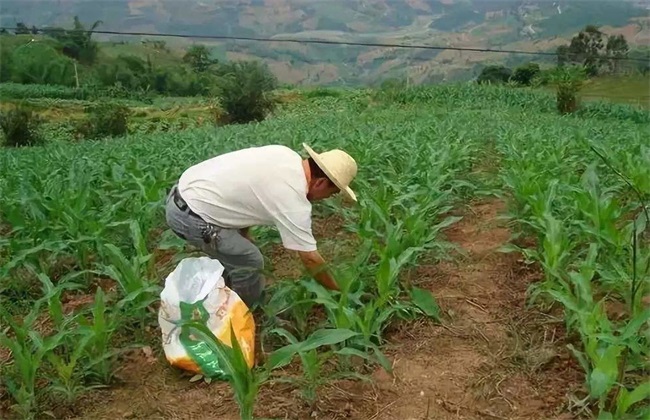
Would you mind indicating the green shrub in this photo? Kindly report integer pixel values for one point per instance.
(390, 90)
(21, 127)
(525, 74)
(494, 74)
(568, 81)
(543, 78)
(105, 120)
(322, 92)
(40, 63)
(245, 91)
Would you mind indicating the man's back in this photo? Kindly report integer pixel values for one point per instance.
(255, 186)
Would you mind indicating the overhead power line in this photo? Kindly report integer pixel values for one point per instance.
(316, 41)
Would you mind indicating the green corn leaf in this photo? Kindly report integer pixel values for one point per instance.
(603, 377)
(605, 415)
(348, 351)
(324, 337)
(381, 357)
(448, 222)
(425, 300)
(632, 328)
(627, 399)
(169, 240)
(581, 358)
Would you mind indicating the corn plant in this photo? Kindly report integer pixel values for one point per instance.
(67, 380)
(313, 361)
(605, 345)
(29, 350)
(66, 358)
(367, 319)
(97, 332)
(583, 250)
(98, 207)
(135, 275)
(290, 299)
(245, 381)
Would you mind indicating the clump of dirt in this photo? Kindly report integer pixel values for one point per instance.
(491, 357)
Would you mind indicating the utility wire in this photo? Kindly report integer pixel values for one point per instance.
(316, 41)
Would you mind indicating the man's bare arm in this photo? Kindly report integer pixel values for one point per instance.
(315, 264)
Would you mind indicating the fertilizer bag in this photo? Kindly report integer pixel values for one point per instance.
(196, 291)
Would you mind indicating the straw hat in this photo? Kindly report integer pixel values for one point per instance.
(338, 166)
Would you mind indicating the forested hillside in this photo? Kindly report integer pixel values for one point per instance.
(502, 24)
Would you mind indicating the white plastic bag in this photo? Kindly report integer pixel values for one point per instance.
(196, 290)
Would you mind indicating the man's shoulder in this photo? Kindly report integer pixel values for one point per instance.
(264, 156)
(277, 148)
(279, 162)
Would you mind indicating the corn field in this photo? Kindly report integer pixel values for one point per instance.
(84, 223)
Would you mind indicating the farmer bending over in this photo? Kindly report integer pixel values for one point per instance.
(216, 201)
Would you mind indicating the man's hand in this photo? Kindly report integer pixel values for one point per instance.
(315, 264)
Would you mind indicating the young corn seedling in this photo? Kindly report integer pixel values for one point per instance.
(68, 367)
(68, 361)
(21, 255)
(554, 255)
(603, 357)
(291, 299)
(367, 320)
(98, 356)
(313, 375)
(136, 276)
(245, 381)
(28, 349)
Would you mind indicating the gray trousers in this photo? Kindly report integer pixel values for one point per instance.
(242, 260)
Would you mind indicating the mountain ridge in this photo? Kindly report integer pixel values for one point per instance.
(497, 24)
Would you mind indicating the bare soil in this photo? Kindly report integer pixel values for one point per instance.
(491, 359)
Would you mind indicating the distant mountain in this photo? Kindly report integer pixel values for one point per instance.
(508, 24)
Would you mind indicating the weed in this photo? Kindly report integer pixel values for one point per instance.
(21, 127)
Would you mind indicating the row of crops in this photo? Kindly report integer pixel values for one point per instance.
(75, 217)
(583, 198)
(88, 212)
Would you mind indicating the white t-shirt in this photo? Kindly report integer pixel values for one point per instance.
(255, 186)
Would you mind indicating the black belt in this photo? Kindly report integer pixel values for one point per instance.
(181, 204)
(210, 231)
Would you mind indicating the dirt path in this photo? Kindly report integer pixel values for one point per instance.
(492, 359)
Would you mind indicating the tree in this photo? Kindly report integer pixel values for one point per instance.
(77, 43)
(245, 91)
(562, 53)
(525, 73)
(198, 57)
(616, 49)
(586, 48)
(21, 29)
(40, 63)
(592, 49)
(641, 63)
(6, 65)
(494, 74)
